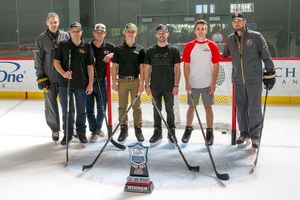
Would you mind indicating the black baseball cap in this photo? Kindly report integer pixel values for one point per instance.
(238, 16)
(75, 25)
(162, 27)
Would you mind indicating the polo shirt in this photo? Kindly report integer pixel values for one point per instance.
(81, 57)
(129, 59)
(99, 53)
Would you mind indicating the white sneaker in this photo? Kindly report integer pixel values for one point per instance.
(101, 133)
(55, 136)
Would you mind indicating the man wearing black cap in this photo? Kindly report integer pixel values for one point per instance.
(80, 74)
(128, 62)
(103, 53)
(247, 50)
(162, 75)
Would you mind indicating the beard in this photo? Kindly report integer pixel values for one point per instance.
(162, 39)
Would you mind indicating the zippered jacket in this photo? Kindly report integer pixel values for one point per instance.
(44, 54)
(247, 54)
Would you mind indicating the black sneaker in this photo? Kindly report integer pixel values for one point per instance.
(138, 133)
(172, 133)
(123, 133)
(255, 142)
(187, 134)
(55, 136)
(64, 142)
(157, 135)
(209, 136)
(243, 139)
(82, 138)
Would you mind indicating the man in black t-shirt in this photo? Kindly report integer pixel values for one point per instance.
(103, 53)
(162, 75)
(128, 62)
(78, 77)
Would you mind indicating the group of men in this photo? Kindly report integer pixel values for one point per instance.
(68, 66)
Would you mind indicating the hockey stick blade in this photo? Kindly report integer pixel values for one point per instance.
(194, 168)
(118, 145)
(223, 177)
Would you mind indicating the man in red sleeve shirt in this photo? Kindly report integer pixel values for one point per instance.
(201, 59)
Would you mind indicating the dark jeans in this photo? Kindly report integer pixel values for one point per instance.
(169, 104)
(95, 123)
(80, 103)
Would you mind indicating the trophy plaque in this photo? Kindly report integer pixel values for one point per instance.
(138, 179)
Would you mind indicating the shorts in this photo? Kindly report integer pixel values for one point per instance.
(206, 99)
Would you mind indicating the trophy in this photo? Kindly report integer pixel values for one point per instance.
(138, 179)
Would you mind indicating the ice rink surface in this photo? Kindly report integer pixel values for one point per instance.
(33, 167)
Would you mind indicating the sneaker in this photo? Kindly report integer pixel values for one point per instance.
(82, 138)
(209, 136)
(157, 135)
(94, 137)
(55, 136)
(64, 142)
(138, 133)
(101, 133)
(255, 142)
(187, 134)
(123, 133)
(243, 139)
(172, 133)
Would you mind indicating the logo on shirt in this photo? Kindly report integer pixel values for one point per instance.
(161, 55)
(206, 49)
(136, 52)
(249, 42)
(81, 50)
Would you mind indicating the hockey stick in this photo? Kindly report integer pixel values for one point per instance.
(262, 125)
(68, 112)
(109, 127)
(191, 168)
(112, 134)
(223, 177)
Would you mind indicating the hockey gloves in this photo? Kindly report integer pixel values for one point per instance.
(44, 84)
(269, 80)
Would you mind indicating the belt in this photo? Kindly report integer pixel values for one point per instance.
(128, 78)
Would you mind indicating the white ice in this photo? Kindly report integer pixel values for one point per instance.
(32, 166)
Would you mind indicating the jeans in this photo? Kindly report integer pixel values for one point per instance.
(169, 104)
(80, 103)
(95, 122)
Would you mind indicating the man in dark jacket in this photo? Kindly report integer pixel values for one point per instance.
(247, 50)
(47, 76)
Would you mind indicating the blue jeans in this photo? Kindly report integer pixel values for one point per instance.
(95, 122)
(80, 99)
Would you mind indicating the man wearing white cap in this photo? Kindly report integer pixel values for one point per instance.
(103, 53)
